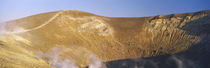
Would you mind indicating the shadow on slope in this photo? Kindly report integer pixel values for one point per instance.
(196, 56)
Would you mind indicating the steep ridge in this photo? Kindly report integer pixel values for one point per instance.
(47, 39)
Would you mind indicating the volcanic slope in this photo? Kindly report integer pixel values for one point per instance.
(37, 40)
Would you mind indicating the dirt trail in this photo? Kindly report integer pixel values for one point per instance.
(40, 26)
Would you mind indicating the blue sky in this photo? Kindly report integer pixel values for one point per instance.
(14, 9)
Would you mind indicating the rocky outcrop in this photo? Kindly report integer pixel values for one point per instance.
(48, 38)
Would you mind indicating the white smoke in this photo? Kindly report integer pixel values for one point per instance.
(179, 62)
(184, 62)
(96, 62)
(9, 33)
(2, 30)
(54, 59)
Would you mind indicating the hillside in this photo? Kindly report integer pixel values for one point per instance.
(49, 39)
